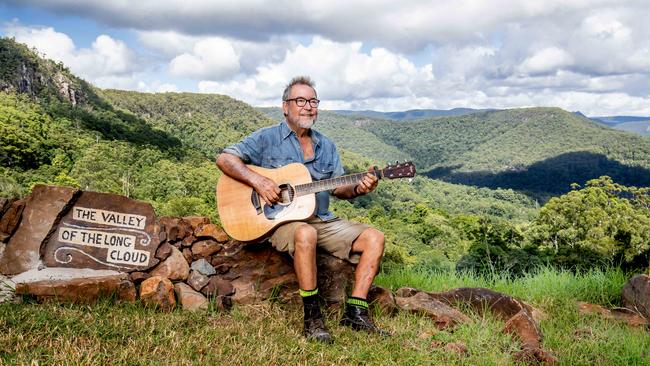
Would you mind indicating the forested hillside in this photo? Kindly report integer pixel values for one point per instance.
(160, 148)
(539, 151)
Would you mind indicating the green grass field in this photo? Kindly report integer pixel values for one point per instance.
(270, 334)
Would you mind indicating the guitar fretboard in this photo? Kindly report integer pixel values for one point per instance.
(328, 184)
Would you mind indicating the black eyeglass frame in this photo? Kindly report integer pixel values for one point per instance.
(301, 102)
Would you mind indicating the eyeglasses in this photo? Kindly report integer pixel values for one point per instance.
(300, 102)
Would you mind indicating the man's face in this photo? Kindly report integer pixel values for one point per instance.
(303, 117)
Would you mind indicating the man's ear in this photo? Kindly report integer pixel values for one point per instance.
(285, 108)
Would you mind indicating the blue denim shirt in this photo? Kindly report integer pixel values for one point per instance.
(276, 146)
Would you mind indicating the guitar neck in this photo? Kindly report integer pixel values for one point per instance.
(329, 184)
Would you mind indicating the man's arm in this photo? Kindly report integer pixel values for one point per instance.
(235, 168)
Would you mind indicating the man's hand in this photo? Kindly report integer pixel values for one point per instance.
(267, 189)
(367, 185)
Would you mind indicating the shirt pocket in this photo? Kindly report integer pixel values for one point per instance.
(323, 170)
(275, 162)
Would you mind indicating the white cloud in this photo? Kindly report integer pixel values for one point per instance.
(106, 58)
(547, 60)
(342, 71)
(212, 59)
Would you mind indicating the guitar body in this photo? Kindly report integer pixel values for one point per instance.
(245, 217)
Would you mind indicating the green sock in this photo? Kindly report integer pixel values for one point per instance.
(309, 296)
(357, 301)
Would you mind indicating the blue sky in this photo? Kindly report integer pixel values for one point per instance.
(587, 55)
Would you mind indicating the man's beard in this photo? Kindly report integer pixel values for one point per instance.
(307, 124)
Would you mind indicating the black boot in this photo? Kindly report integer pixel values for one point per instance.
(357, 318)
(314, 325)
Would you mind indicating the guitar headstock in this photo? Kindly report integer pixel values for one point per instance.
(399, 170)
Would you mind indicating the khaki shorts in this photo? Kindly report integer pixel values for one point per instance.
(334, 236)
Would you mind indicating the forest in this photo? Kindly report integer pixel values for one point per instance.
(505, 191)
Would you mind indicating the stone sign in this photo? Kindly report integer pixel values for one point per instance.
(104, 231)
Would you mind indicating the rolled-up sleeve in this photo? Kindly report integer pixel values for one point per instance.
(249, 150)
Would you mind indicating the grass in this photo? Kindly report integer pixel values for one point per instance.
(270, 334)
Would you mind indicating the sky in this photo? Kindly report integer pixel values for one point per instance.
(591, 56)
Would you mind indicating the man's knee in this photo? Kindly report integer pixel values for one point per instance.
(374, 241)
(305, 237)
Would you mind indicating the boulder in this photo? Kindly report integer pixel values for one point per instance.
(335, 278)
(383, 300)
(80, 290)
(158, 292)
(176, 228)
(138, 277)
(188, 241)
(442, 314)
(204, 267)
(624, 315)
(211, 231)
(174, 268)
(524, 327)
(190, 300)
(163, 252)
(43, 209)
(10, 216)
(104, 231)
(197, 280)
(636, 295)
(195, 221)
(205, 248)
(218, 287)
(7, 290)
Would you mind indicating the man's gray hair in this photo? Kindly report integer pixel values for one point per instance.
(298, 80)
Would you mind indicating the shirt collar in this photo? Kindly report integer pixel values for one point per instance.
(285, 131)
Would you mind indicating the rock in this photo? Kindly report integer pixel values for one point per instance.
(335, 278)
(458, 348)
(481, 299)
(80, 290)
(174, 268)
(202, 266)
(43, 208)
(164, 251)
(176, 228)
(197, 280)
(442, 314)
(205, 248)
(211, 231)
(195, 221)
(190, 300)
(4, 205)
(223, 303)
(188, 241)
(104, 231)
(187, 254)
(524, 327)
(218, 286)
(534, 356)
(7, 290)
(382, 299)
(158, 292)
(636, 295)
(138, 277)
(10, 217)
(624, 315)
(406, 292)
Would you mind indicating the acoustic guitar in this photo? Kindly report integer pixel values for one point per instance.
(246, 217)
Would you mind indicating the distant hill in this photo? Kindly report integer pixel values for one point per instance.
(540, 150)
(635, 124)
(411, 114)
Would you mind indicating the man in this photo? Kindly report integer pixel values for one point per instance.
(291, 141)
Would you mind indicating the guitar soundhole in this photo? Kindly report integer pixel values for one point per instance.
(287, 193)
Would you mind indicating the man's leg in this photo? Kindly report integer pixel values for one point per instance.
(370, 244)
(304, 261)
